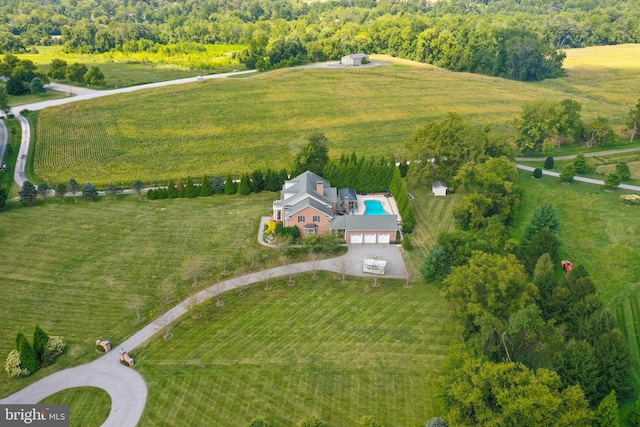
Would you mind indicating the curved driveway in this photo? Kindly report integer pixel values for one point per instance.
(4, 139)
(127, 388)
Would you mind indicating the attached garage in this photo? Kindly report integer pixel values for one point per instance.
(369, 238)
(356, 238)
(369, 229)
(384, 238)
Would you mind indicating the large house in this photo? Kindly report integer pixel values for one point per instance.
(310, 203)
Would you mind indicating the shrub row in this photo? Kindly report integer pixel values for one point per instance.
(401, 194)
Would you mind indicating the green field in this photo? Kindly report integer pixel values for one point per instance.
(76, 269)
(341, 351)
(235, 126)
(602, 234)
(122, 70)
(88, 406)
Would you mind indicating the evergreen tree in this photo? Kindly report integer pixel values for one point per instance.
(217, 185)
(623, 171)
(567, 174)
(172, 190)
(230, 187)
(28, 356)
(244, 187)
(543, 242)
(89, 191)
(607, 412)
(634, 417)
(580, 164)
(614, 360)
(257, 182)
(272, 181)
(40, 340)
(190, 189)
(548, 163)
(545, 216)
(612, 181)
(43, 190)
(205, 187)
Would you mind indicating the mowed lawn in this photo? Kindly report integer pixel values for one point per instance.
(602, 234)
(88, 406)
(234, 126)
(341, 351)
(77, 269)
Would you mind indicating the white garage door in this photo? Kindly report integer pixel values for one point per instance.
(356, 238)
(369, 238)
(384, 238)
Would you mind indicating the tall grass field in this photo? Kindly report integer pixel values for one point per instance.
(237, 125)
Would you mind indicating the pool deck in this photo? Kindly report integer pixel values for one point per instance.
(388, 203)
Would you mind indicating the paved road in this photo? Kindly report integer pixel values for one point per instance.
(19, 175)
(127, 388)
(573, 156)
(71, 90)
(579, 178)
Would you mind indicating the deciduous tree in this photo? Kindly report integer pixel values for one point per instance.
(4, 101)
(76, 72)
(73, 187)
(57, 69)
(36, 86)
(61, 190)
(138, 186)
(94, 77)
(28, 193)
(113, 190)
(43, 190)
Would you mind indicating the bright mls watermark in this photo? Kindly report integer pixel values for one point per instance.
(34, 415)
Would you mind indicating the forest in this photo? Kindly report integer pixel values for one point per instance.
(520, 40)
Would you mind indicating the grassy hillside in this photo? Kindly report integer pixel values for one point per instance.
(234, 126)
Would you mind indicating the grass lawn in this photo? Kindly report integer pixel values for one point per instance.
(88, 406)
(601, 233)
(341, 351)
(31, 98)
(235, 126)
(10, 154)
(131, 70)
(76, 269)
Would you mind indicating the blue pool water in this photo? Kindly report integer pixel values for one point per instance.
(374, 207)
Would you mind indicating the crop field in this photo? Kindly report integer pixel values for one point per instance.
(601, 233)
(609, 74)
(238, 125)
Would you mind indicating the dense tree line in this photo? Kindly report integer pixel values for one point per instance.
(537, 349)
(517, 40)
(365, 175)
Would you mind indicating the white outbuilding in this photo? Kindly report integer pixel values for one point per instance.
(438, 188)
(354, 59)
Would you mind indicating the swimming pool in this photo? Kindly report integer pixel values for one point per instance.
(374, 207)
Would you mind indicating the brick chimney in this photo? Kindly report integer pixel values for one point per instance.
(320, 188)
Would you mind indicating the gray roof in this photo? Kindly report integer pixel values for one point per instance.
(347, 192)
(309, 202)
(302, 189)
(358, 55)
(438, 184)
(365, 223)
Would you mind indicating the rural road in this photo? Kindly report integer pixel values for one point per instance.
(127, 388)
